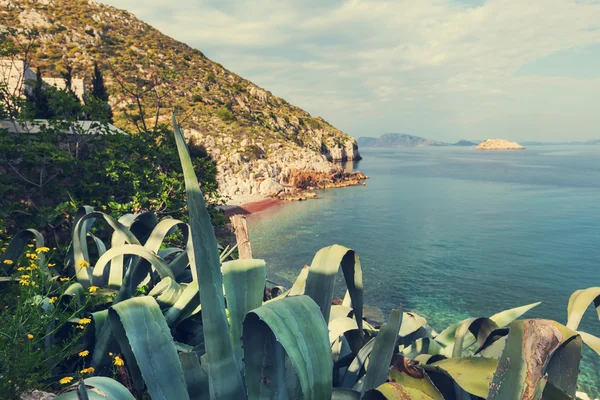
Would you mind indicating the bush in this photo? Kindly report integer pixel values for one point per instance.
(225, 115)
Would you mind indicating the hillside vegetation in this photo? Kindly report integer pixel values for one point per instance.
(237, 121)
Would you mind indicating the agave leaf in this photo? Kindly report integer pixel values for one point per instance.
(187, 304)
(345, 394)
(479, 329)
(244, 282)
(562, 368)
(321, 279)
(196, 377)
(16, 247)
(423, 384)
(472, 374)
(526, 356)
(592, 341)
(297, 325)
(351, 376)
(158, 234)
(447, 336)
(166, 292)
(421, 346)
(203, 253)
(98, 388)
(142, 333)
(299, 285)
(394, 391)
(340, 326)
(579, 302)
(551, 392)
(383, 350)
(76, 290)
(80, 249)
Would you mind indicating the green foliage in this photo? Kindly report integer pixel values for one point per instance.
(47, 174)
(38, 328)
(225, 114)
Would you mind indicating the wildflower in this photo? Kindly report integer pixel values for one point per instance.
(42, 250)
(53, 299)
(110, 353)
(4, 249)
(89, 370)
(118, 361)
(84, 353)
(29, 336)
(92, 289)
(21, 269)
(80, 327)
(66, 380)
(25, 276)
(8, 262)
(84, 263)
(63, 279)
(85, 321)
(51, 265)
(30, 245)
(24, 283)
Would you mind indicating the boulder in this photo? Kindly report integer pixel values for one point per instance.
(270, 187)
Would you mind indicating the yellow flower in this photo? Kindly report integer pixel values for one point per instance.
(63, 279)
(21, 269)
(51, 265)
(80, 327)
(110, 353)
(118, 361)
(53, 299)
(89, 370)
(84, 353)
(29, 336)
(42, 250)
(9, 262)
(24, 283)
(66, 380)
(30, 245)
(25, 276)
(85, 321)
(84, 263)
(93, 289)
(4, 249)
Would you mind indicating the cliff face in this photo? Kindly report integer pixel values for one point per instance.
(253, 135)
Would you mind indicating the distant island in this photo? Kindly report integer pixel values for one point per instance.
(405, 140)
(499, 144)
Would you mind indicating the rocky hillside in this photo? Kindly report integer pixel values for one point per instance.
(261, 142)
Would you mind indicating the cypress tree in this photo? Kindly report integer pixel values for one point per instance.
(100, 92)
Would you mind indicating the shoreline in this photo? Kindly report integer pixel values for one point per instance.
(251, 207)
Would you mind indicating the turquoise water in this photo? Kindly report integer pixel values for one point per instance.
(452, 233)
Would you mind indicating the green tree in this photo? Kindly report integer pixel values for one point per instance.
(98, 98)
(37, 102)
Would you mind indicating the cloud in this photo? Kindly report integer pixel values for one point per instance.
(435, 67)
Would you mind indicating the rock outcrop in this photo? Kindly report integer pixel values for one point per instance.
(499, 144)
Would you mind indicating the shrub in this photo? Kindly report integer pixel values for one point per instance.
(225, 115)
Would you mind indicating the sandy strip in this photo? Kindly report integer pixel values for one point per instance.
(251, 208)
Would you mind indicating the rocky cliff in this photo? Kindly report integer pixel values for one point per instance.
(257, 139)
(499, 144)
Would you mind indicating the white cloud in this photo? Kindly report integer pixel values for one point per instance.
(429, 67)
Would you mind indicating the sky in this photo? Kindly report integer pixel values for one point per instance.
(442, 69)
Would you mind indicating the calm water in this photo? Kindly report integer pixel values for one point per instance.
(452, 233)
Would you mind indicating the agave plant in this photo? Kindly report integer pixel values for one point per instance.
(205, 331)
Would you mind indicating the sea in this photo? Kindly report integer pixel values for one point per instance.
(452, 233)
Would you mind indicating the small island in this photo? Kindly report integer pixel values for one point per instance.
(499, 144)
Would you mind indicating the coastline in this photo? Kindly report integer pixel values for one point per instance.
(252, 207)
